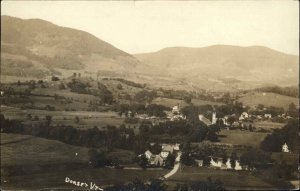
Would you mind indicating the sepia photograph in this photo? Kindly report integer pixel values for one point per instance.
(142, 95)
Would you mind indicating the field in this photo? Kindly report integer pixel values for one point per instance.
(268, 125)
(268, 99)
(172, 102)
(29, 162)
(232, 179)
(238, 137)
(87, 119)
(29, 150)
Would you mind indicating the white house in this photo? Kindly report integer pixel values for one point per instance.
(285, 148)
(199, 162)
(204, 120)
(148, 154)
(268, 116)
(175, 109)
(216, 164)
(214, 118)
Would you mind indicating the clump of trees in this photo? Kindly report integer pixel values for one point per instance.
(151, 110)
(288, 134)
(292, 91)
(145, 96)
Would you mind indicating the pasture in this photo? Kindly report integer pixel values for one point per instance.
(268, 125)
(268, 99)
(233, 180)
(238, 137)
(172, 102)
(29, 162)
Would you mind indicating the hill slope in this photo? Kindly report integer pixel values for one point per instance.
(226, 66)
(38, 48)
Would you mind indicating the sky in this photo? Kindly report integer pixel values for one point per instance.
(148, 26)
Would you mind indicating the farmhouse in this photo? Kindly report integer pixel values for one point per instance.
(285, 148)
(199, 162)
(268, 116)
(148, 154)
(156, 160)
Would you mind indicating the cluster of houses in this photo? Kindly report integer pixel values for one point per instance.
(218, 164)
(158, 160)
(175, 114)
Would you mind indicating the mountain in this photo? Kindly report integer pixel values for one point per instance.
(37, 48)
(223, 66)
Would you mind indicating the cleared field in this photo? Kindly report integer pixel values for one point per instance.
(101, 177)
(172, 102)
(268, 125)
(238, 137)
(29, 150)
(268, 99)
(46, 163)
(232, 179)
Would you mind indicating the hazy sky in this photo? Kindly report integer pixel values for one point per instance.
(147, 26)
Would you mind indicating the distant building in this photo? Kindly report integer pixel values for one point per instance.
(156, 160)
(214, 118)
(164, 154)
(268, 116)
(205, 120)
(168, 148)
(285, 148)
(175, 109)
(148, 154)
(199, 162)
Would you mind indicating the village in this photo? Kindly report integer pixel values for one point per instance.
(229, 122)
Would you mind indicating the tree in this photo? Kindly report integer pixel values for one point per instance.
(233, 158)
(170, 161)
(212, 136)
(292, 110)
(29, 116)
(76, 120)
(96, 159)
(143, 162)
(62, 86)
(48, 119)
(54, 78)
(119, 86)
(187, 99)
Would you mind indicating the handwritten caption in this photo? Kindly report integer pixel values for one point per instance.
(91, 185)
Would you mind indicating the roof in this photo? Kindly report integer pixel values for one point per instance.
(204, 120)
(168, 148)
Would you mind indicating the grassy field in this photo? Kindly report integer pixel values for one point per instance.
(268, 99)
(238, 137)
(102, 177)
(29, 150)
(268, 125)
(29, 162)
(172, 102)
(232, 179)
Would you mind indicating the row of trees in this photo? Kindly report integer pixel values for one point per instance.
(151, 110)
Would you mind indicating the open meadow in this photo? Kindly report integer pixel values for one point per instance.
(25, 158)
(233, 180)
(253, 99)
(238, 137)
